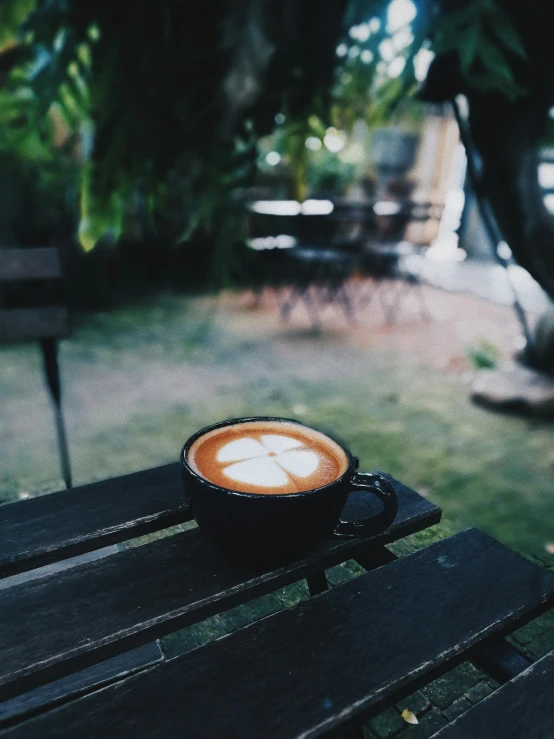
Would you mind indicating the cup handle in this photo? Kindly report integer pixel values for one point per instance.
(379, 486)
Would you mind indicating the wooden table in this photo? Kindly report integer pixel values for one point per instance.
(323, 666)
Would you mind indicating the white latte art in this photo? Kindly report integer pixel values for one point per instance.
(270, 456)
(268, 462)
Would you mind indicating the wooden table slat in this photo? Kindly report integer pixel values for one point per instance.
(328, 663)
(80, 683)
(94, 611)
(520, 709)
(42, 530)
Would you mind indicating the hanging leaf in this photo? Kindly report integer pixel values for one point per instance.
(101, 213)
(480, 33)
(495, 63)
(468, 50)
(502, 27)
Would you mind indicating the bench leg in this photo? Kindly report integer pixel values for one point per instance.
(369, 560)
(355, 733)
(373, 558)
(49, 348)
(501, 660)
(317, 583)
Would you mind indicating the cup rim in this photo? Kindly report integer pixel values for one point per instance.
(351, 460)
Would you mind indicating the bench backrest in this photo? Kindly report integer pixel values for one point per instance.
(24, 323)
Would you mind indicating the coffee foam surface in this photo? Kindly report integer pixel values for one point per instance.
(267, 457)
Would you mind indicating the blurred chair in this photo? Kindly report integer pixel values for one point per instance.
(320, 279)
(264, 265)
(347, 237)
(384, 254)
(31, 310)
(290, 244)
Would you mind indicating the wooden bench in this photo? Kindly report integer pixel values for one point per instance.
(42, 323)
(321, 667)
(328, 664)
(38, 532)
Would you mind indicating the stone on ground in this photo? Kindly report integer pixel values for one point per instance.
(513, 386)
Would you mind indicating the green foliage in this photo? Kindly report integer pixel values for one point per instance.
(484, 356)
(13, 14)
(485, 39)
(101, 210)
(162, 104)
(371, 84)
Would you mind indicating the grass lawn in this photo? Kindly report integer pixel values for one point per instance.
(140, 380)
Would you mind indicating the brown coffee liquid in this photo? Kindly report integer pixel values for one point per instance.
(269, 457)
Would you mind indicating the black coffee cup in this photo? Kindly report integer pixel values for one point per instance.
(276, 527)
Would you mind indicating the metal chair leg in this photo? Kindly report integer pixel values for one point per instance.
(389, 308)
(413, 285)
(347, 304)
(49, 348)
(257, 295)
(311, 306)
(423, 309)
(367, 293)
(288, 303)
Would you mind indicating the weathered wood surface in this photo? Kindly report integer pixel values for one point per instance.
(498, 658)
(328, 663)
(42, 530)
(30, 324)
(92, 612)
(521, 709)
(30, 264)
(80, 683)
(54, 567)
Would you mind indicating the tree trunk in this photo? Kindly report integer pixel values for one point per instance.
(508, 136)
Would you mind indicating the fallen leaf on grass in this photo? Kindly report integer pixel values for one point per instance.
(409, 717)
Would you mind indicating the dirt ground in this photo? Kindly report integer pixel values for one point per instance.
(140, 380)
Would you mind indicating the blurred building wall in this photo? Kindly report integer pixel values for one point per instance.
(431, 172)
